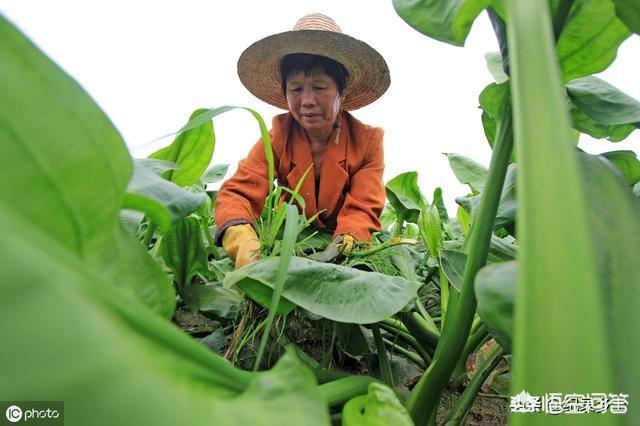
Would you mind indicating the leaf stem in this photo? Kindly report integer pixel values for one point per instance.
(383, 359)
(425, 397)
(460, 410)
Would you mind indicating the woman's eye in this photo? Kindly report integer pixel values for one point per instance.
(296, 89)
(319, 87)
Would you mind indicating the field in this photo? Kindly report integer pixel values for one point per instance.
(117, 301)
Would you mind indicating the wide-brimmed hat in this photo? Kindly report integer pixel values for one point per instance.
(259, 64)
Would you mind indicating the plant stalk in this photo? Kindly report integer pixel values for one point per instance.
(148, 235)
(405, 353)
(424, 398)
(459, 411)
(383, 359)
(409, 339)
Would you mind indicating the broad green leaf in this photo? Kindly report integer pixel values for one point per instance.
(334, 292)
(404, 196)
(446, 20)
(495, 288)
(494, 64)
(212, 299)
(215, 173)
(627, 162)
(508, 203)
(614, 219)
(64, 167)
(163, 201)
(192, 149)
(438, 201)
(206, 115)
(131, 221)
(406, 259)
(603, 102)
(557, 280)
(117, 362)
(590, 38)
(453, 264)
(629, 12)
(379, 407)
(500, 249)
(157, 166)
(431, 229)
(183, 251)
(468, 171)
(491, 99)
(585, 124)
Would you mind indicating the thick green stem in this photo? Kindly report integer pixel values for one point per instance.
(406, 337)
(395, 323)
(476, 338)
(419, 329)
(444, 293)
(392, 242)
(148, 235)
(459, 411)
(424, 398)
(397, 228)
(560, 17)
(405, 353)
(342, 390)
(383, 359)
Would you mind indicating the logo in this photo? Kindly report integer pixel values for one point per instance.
(14, 413)
(32, 413)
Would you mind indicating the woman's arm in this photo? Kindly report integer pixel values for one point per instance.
(360, 213)
(241, 197)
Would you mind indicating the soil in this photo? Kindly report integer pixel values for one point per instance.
(485, 410)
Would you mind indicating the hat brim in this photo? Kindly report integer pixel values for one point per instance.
(259, 65)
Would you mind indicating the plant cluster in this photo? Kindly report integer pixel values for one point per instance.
(532, 285)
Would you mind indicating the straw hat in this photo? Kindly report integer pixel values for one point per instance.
(259, 64)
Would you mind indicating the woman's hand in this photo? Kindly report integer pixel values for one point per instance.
(241, 243)
(347, 244)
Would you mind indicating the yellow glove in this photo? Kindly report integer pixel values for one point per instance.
(347, 244)
(241, 244)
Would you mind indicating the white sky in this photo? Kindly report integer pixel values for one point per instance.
(149, 64)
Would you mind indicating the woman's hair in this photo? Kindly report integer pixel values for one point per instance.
(310, 64)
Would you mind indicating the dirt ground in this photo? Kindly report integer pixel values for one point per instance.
(485, 410)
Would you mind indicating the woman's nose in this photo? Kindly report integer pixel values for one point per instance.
(308, 98)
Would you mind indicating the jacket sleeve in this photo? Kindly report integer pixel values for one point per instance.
(242, 197)
(364, 201)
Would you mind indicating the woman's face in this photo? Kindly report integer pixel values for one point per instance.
(313, 101)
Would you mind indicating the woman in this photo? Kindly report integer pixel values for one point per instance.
(317, 74)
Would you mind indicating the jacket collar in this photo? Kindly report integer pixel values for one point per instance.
(333, 175)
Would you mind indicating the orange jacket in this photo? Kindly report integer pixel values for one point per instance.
(351, 189)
